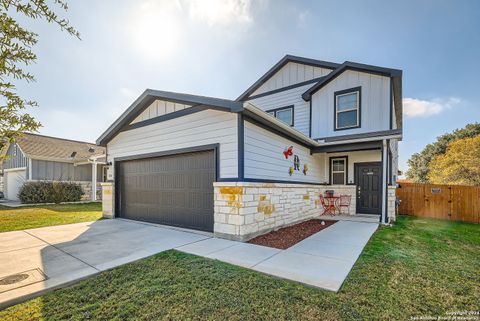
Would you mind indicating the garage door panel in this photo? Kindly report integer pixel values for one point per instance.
(173, 190)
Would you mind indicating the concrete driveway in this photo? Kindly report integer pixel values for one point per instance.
(43, 259)
(39, 260)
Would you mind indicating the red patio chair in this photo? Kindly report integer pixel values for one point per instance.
(344, 201)
(328, 206)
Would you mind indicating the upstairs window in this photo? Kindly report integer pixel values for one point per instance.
(284, 114)
(347, 108)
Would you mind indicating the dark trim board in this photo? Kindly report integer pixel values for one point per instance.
(241, 145)
(350, 147)
(347, 65)
(286, 59)
(360, 136)
(330, 168)
(359, 111)
(149, 96)
(169, 116)
(279, 90)
(292, 107)
(214, 147)
(256, 122)
(261, 180)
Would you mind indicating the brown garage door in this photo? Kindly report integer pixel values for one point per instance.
(172, 190)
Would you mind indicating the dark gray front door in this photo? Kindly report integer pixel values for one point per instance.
(368, 178)
(172, 190)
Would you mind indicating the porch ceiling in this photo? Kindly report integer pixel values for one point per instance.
(349, 147)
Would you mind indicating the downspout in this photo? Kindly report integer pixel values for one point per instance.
(383, 216)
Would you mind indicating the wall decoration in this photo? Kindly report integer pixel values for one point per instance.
(305, 169)
(290, 170)
(288, 152)
(296, 162)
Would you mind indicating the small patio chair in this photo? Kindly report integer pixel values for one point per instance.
(328, 207)
(344, 201)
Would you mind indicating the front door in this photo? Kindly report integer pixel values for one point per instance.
(368, 178)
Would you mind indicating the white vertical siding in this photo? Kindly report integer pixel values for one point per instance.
(201, 128)
(290, 74)
(159, 108)
(375, 104)
(286, 98)
(264, 157)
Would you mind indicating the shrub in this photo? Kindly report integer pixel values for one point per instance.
(50, 192)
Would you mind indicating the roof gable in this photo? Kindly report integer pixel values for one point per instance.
(149, 96)
(394, 74)
(281, 64)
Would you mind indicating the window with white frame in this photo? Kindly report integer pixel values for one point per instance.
(338, 171)
(347, 109)
(284, 114)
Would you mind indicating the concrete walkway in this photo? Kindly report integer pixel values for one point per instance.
(39, 260)
(57, 256)
(322, 260)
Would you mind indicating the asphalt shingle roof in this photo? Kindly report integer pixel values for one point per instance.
(39, 146)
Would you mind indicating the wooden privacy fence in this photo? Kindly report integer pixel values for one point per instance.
(453, 202)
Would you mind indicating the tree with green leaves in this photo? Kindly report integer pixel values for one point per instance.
(460, 165)
(16, 43)
(419, 163)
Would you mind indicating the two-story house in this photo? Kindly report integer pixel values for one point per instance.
(240, 168)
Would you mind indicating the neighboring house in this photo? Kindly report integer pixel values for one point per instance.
(42, 158)
(242, 167)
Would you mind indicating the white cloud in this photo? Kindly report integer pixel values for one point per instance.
(220, 12)
(413, 107)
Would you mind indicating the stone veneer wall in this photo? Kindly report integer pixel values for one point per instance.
(244, 210)
(391, 208)
(108, 199)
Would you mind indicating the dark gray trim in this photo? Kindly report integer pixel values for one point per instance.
(351, 147)
(345, 157)
(292, 107)
(390, 112)
(279, 90)
(149, 96)
(347, 65)
(359, 111)
(261, 180)
(169, 116)
(169, 152)
(310, 120)
(360, 136)
(279, 65)
(260, 122)
(384, 194)
(241, 146)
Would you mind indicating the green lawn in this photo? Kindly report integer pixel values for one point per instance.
(417, 268)
(20, 218)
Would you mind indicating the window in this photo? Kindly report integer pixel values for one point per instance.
(347, 108)
(338, 171)
(284, 114)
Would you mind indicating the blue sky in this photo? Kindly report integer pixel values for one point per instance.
(219, 48)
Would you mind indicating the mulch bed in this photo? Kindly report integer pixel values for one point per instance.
(291, 235)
